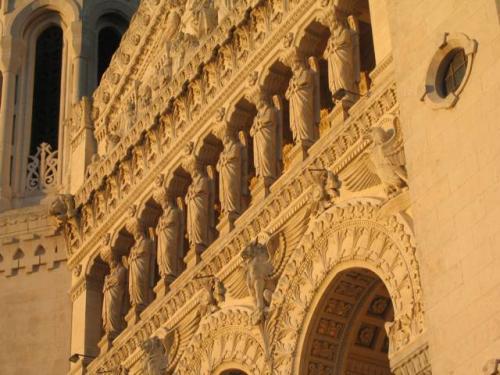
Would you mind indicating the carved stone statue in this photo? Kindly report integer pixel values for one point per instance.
(304, 110)
(139, 264)
(231, 167)
(197, 206)
(342, 56)
(199, 18)
(325, 190)
(392, 173)
(115, 284)
(91, 168)
(169, 241)
(264, 133)
(155, 360)
(383, 162)
(258, 269)
(212, 297)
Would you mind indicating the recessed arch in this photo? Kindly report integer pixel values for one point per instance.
(351, 234)
(346, 331)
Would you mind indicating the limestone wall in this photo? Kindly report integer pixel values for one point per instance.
(35, 322)
(453, 159)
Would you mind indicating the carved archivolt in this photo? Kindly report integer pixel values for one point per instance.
(345, 236)
(225, 337)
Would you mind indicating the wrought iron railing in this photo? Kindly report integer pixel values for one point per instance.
(42, 171)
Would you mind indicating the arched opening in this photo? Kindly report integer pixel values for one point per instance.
(110, 28)
(47, 89)
(346, 334)
(233, 372)
(109, 40)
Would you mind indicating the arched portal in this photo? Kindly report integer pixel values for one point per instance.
(346, 334)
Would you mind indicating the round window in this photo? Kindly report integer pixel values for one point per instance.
(449, 71)
(453, 70)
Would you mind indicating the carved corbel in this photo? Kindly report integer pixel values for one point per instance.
(67, 218)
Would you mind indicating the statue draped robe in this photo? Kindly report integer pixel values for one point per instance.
(113, 298)
(300, 93)
(168, 241)
(139, 272)
(229, 167)
(197, 203)
(264, 139)
(340, 55)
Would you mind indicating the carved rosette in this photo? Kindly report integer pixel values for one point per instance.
(348, 235)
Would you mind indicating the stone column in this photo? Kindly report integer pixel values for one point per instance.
(11, 57)
(79, 60)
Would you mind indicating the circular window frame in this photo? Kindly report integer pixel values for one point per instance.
(451, 42)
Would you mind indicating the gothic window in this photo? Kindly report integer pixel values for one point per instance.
(47, 88)
(109, 40)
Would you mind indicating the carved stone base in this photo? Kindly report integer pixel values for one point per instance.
(413, 359)
(226, 223)
(193, 256)
(163, 286)
(105, 343)
(340, 113)
(133, 315)
(261, 189)
(298, 153)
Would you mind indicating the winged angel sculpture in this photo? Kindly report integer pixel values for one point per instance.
(264, 259)
(383, 162)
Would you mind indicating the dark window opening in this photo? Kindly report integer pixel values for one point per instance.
(47, 90)
(454, 72)
(109, 40)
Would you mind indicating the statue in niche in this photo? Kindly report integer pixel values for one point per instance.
(169, 232)
(259, 270)
(94, 163)
(115, 284)
(325, 190)
(265, 131)
(303, 94)
(342, 53)
(232, 167)
(155, 360)
(139, 262)
(197, 204)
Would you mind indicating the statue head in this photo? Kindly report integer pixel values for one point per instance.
(262, 100)
(298, 62)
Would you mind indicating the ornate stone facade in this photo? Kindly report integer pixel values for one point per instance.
(240, 199)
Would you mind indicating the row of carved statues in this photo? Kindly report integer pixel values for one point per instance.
(342, 54)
